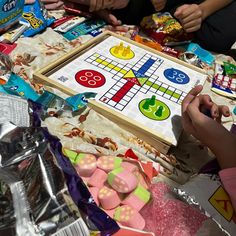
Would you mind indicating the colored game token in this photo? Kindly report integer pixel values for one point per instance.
(146, 104)
(122, 52)
(159, 111)
(152, 100)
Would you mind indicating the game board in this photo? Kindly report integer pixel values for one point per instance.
(141, 86)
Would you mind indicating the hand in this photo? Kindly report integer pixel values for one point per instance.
(190, 16)
(159, 4)
(96, 5)
(108, 17)
(198, 124)
(208, 130)
(29, 1)
(53, 4)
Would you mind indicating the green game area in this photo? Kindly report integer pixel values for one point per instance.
(154, 109)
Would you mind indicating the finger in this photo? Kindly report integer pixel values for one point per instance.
(99, 5)
(193, 110)
(190, 96)
(53, 6)
(214, 111)
(92, 5)
(49, 1)
(189, 25)
(192, 29)
(189, 10)
(179, 11)
(224, 110)
(109, 18)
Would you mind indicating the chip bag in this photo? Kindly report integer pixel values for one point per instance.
(164, 29)
(10, 12)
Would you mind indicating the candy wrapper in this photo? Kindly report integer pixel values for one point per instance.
(35, 15)
(118, 185)
(56, 106)
(164, 29)
(31, 165)
(41, 202)
(213, 200)
(10, 12)
(19, 111)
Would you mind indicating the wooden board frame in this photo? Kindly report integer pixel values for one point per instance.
(141, 132)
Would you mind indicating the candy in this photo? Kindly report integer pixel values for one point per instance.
(122, 180)
(108, 198)
(94, 192)
(85, 164)
(110, 212)
(138, 198)
(128, 216)
(108, 163)
(141, 180)
(98, 178)
(129, 166)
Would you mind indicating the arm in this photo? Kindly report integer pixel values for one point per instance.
(96, 5)
(210, 132)
(192, 15)
(210, 6)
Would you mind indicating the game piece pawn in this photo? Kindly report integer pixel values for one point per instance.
(153, 100)
(146, 104)
(116, 49)
(121, 46)
(126, 51)
(159, 111)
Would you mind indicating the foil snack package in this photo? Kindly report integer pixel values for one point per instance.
(40, 202)
(213, 201)
(46, 185)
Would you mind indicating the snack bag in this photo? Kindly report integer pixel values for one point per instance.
(165, 29)
(10, 12)
(36, 17)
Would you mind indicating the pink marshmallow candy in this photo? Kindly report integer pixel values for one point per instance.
(108, 163)
(122, 180)
(138, 198)
(98, 178)
(129, 166)
(108, 198)
(128, 216)
(85, 164)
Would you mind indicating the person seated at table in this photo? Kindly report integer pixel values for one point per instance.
(209, 131)
(210, 20)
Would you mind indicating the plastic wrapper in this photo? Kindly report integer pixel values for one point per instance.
(213, 201)
(230, 69)
(19, 111)
(35, 15)
(164, 29)
(41, 204)
(17, 86)
(10, 12)
(57, 106)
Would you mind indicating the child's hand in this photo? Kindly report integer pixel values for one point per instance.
(53, 4)
(208, 130)
(159, 4)
(96, 5)
(198, 124)
(190, 17)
